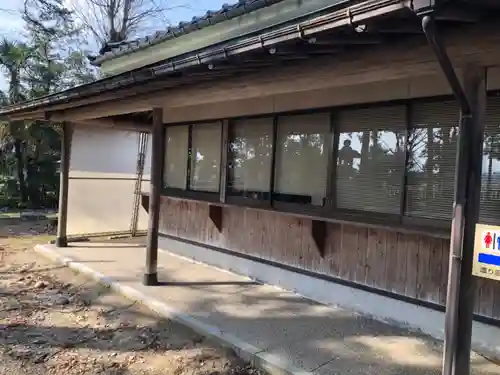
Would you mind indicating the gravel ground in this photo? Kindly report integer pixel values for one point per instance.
(53, 321)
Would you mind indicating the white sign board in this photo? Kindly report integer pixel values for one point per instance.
(487, 252)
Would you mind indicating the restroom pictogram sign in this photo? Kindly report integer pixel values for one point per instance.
(487, 252)
(491, 240)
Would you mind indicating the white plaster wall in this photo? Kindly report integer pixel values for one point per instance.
(102, 179)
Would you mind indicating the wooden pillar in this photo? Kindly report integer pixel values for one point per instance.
(461, 284)
(157, 152)
(62, 219)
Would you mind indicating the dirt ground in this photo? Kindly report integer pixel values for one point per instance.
(53, 321)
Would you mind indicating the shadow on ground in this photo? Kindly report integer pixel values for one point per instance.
(53, 321)
(48, 323)
(311, 336)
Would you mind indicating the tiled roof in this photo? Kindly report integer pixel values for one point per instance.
(315, 23)
(226, 12)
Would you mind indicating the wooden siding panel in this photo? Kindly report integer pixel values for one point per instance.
(391, 261)
(425, 290)
(308, 247)
(411, 265)
(400, 273)
(496, 302)
(435, 269)
(361, 260)
(408, 264)
(333, 250)
(444, 275)
(371, 256)
(346, 261)
(485, 297)
(380, 259)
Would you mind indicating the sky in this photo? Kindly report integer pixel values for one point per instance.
(11, 24)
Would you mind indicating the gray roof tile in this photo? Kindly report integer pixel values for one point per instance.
(226, 12)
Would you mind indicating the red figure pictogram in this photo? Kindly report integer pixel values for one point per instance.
(488, 240)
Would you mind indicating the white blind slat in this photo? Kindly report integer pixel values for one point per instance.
(206, 157)
(431, 161)
(176, 157)
(251, 153)
(302, 156)
(490, 177)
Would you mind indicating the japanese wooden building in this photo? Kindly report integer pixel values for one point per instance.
(310, 145)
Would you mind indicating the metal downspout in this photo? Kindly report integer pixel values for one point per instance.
(429, 28)
(452, 346)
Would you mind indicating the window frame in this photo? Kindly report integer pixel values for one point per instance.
(329, 211)
(374, 214)
(275, 195)
(422, 221)
(240, 200)
(493, 94)
(165, 133)
(190, 158)
(189, 193)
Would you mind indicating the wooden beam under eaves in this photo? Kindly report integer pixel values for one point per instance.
(458, 14)
(299, 52)
(107, 109)
(346, 40)
(35, 115)
(118, 124)
(129, 93)
(241, 66)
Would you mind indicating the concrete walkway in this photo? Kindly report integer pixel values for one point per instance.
(277, 330)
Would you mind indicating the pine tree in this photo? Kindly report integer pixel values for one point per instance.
(57, 64)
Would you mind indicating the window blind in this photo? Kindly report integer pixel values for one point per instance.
(490, 177)
(302, 157)
(432, 144)
(370, 159)
(250, 156)
(176, 157)
(206, 146)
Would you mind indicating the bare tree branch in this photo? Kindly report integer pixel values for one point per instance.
(9, 11)
(114, 21)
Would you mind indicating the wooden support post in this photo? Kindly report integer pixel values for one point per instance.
(461, 284)
(157, 152)
(62, 216)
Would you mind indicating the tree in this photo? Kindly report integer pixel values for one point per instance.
(14, 58)
(57, 64)
(59, 60)
(49, 18)
(114, 21)
(50, 59)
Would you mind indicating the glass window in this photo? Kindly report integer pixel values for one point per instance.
(176, 157)
(370, 159)
(250, 158)
(432, 145)
(206, 147)
(302, 158)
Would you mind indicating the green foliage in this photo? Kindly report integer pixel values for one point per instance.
(52, 59)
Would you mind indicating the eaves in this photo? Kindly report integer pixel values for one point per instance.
(183, 40)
